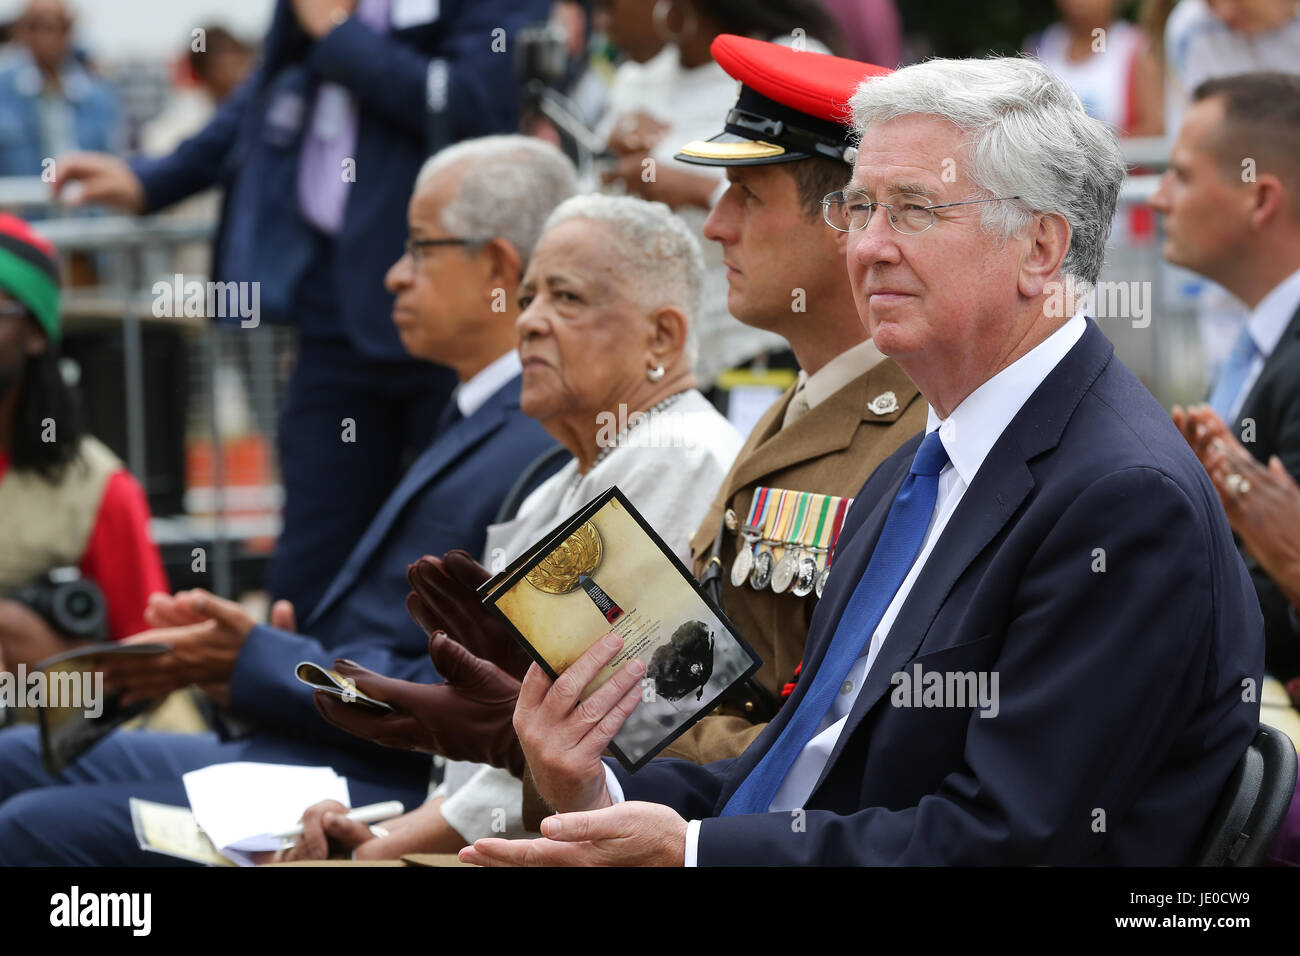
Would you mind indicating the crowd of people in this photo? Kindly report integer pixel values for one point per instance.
(471, 312)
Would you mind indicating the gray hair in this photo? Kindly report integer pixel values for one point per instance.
(664, 264)
(1030, 137)
(511, 184)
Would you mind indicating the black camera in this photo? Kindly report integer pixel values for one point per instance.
(74, 606)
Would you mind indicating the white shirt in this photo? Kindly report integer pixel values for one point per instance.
(1266, 322)
(968, 434)
(471, 395)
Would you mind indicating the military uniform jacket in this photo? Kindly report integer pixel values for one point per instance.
(832, 449)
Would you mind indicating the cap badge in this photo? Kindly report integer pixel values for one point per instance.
(883, 404)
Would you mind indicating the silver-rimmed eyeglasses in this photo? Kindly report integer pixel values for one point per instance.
(849, 210)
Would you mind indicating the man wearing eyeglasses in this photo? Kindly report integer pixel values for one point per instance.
(1038, 642)
(455, 303)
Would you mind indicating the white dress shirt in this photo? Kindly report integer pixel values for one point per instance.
(471, 395)
(968, 434)
(1266, 322)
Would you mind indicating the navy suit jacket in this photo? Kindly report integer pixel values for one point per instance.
(1273, 405)
(251, 148)
(446, 500)
(1122, 705)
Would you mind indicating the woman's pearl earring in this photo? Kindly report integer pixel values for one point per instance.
(656, 373)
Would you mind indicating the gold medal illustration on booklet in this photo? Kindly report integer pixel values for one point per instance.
(841, 509)
(789, 536)
(805, 576)
(570, 566)
(744, 562)
(764, 560)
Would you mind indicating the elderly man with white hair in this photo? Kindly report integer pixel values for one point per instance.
(1038, 641)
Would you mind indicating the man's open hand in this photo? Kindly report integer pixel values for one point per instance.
(469, 717)
(563, 736)
(627, 834)
(200, 653)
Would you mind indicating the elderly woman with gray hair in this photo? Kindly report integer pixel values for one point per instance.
(606, 345)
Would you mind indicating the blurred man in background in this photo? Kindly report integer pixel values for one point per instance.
(317, 154)
(49, 102)
(1231, 202)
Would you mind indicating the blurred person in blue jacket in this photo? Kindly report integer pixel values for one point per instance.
(49, 102)
(316, 155)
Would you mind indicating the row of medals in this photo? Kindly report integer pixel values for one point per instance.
(802, 569)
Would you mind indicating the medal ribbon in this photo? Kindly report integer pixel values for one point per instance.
(800, 526)
(819, 542)
(776, 529)
(757, 508)
(840, 511)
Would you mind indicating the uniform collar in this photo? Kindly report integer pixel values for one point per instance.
(812, 390)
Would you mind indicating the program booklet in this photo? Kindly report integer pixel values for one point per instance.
(605, 569)
(78, 712)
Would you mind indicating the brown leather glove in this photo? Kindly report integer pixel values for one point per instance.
(445, 598)
(469, 717)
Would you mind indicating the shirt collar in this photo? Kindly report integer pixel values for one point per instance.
(471, 395)
(974, 426)
(1269, 319)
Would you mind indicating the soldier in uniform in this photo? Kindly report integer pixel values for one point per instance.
(785, 146)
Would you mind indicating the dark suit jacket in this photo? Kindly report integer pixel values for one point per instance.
(1274, 406)
(446, 500)
(251, 149)
(1120, 691)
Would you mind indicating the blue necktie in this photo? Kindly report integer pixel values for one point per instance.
(1233, 375)
(900, 542)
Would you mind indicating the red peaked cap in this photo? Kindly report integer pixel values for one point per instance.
(793, 104)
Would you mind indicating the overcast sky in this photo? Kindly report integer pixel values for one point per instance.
(109, 29)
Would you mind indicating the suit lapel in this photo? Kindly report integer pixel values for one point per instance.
(446, 449)
(1281, 355)
(1000, 487)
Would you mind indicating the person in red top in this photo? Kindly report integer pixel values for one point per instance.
(66, 502)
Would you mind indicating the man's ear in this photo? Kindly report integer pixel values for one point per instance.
(505, 264)
(1049, 241)
(668, 327)
(1270, 201)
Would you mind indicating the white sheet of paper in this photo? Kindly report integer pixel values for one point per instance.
(412, 13)
(239, 804)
